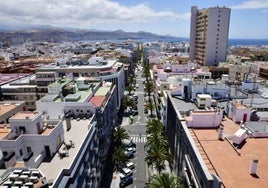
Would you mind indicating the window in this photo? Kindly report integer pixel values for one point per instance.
(22, 129)
(21, 153)
(29, 149)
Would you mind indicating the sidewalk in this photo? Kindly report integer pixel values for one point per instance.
(115, 181)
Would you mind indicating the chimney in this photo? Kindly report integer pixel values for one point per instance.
(253, 166)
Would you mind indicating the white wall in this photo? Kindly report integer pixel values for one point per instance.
(56, 109)
(205, 119)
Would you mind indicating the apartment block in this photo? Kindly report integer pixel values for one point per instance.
(97, 68)
(209, 35)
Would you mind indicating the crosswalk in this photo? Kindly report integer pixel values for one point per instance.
(138, 138)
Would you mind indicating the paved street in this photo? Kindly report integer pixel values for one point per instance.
(137, 134)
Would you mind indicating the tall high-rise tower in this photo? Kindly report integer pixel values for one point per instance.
(209, 35)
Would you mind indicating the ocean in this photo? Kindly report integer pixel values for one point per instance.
(231, 42)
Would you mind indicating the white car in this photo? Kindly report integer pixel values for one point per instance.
(125, 172)
(130, 165)
(131, 149)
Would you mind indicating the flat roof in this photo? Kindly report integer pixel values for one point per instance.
(102, 91)
(5, 129)
(25, 115)
(97, 100)
(258, 127)
(232, 168)
(181, 105)
(8, 106)
(52, 168)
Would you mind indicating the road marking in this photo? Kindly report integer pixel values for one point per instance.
(138, 138)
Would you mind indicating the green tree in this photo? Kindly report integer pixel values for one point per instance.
(165, 180)
(148, 87)
(151, 106)
(146, 73)
(157, 147)
(154, 126)
(156, 157)
(118, 156)
(157, 139)
(127, 101)
(119, 135)
(129, 88)
(132, 80)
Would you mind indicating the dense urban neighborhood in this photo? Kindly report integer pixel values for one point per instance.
(126, 113)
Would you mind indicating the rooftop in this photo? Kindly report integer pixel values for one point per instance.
(52, 168)
(231, 166)
(97, 100)
(25, 115)
(6, 107)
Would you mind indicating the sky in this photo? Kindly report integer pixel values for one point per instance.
(249, 18)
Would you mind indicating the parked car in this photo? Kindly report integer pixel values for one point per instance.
(130, 144)
(125, 172)
(125, 182)
(129, 155)
(134, 112)
(135, 97)
(130, 165)
(130, 149)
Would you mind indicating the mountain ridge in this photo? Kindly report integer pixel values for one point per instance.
(53, 34)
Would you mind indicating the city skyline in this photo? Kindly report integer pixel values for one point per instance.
(159, 17)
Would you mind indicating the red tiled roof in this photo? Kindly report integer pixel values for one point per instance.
(97, 100)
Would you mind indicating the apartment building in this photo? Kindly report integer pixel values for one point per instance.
(28, 139)
(21, 89)
(98, 68)
(209, 35)
(6, 78)
(80, 100)
(50, 134)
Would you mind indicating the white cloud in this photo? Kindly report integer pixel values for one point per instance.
(80, 13)
(252, 4)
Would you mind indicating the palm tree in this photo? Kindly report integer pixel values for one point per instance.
(129, 88)
(127, 101)
(165, 180)
(132, 80)
(157, 139)
(146, 72)
(151, 106)
(118, 156)
(119, 135)
(148, 88)
(157, 152)
(154, 126)
(156, 157)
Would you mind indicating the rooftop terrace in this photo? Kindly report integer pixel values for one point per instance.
(51, 169)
